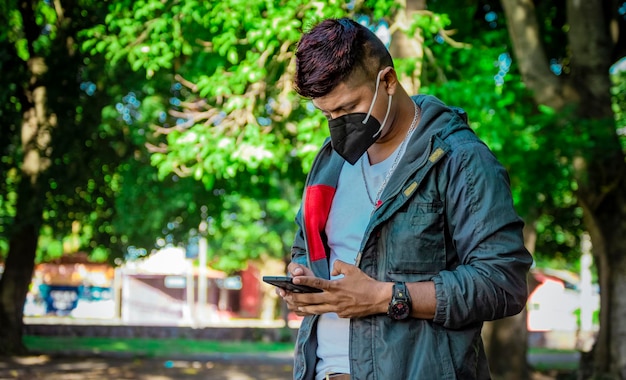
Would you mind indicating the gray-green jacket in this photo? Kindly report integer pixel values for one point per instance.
(447, 216)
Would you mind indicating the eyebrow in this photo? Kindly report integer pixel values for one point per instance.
(339, 107)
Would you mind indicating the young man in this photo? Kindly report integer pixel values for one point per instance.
(406, 224)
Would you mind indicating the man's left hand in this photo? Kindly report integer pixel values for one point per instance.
(352, 296)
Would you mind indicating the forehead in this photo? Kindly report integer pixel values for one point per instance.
(344, 94)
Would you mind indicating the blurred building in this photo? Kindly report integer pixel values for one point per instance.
(160, 289)
(155, 290)
(555, 307)
(61, 285)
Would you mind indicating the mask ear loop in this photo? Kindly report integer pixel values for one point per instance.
(382, 125)
(369, 113)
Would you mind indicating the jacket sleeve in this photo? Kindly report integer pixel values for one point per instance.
(490, 281)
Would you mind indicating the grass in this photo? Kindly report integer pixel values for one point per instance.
(166, 347)
(148, 347)
(549, 351)
(548, 359)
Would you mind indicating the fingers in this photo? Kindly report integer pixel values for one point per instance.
(302, 303)
(298, 270)
(280, 291)
(343, 295)
(312, 281)
(341, 267)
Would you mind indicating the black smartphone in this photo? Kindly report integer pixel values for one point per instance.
(286, 283)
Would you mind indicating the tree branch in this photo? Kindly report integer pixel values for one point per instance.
(523, 28)
(591, 47)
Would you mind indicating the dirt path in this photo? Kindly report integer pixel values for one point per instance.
(97, 368)
(213, 367)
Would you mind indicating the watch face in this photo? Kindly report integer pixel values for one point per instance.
(399, 310)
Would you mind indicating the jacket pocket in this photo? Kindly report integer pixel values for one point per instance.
(415, 240)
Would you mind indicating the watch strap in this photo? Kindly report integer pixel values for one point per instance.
(400, 292)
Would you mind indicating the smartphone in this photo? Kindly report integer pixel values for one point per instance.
(286, 283)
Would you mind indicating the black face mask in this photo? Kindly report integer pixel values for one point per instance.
(352, 134)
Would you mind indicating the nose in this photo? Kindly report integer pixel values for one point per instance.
(333, 116)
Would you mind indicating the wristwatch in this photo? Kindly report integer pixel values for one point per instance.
(400, 304)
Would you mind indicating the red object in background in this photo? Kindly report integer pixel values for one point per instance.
(250, 297)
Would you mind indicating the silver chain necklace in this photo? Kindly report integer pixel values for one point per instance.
(393, 165)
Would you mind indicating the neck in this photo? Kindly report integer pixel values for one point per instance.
(393, 135)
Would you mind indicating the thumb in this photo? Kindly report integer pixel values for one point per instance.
(339, 268)
(297, 271)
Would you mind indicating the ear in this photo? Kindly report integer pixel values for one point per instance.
(390, 79)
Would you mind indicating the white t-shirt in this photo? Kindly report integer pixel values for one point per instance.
(349, 216)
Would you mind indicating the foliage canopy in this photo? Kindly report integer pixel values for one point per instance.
(184, 110)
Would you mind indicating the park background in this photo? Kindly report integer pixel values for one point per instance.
(133, 127)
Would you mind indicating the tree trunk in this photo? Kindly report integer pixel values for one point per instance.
(404, 46)
(507, 342)
(24, 233)
(599, 169)
(36, 130)
(607, 228)
(17, 276)
(601, 175)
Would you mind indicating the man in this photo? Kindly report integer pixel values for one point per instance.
(406, 224)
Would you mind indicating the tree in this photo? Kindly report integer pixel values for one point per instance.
(583, 95)
(233, 124)
(58, 157)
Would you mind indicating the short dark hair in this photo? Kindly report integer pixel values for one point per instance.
(330, 52)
